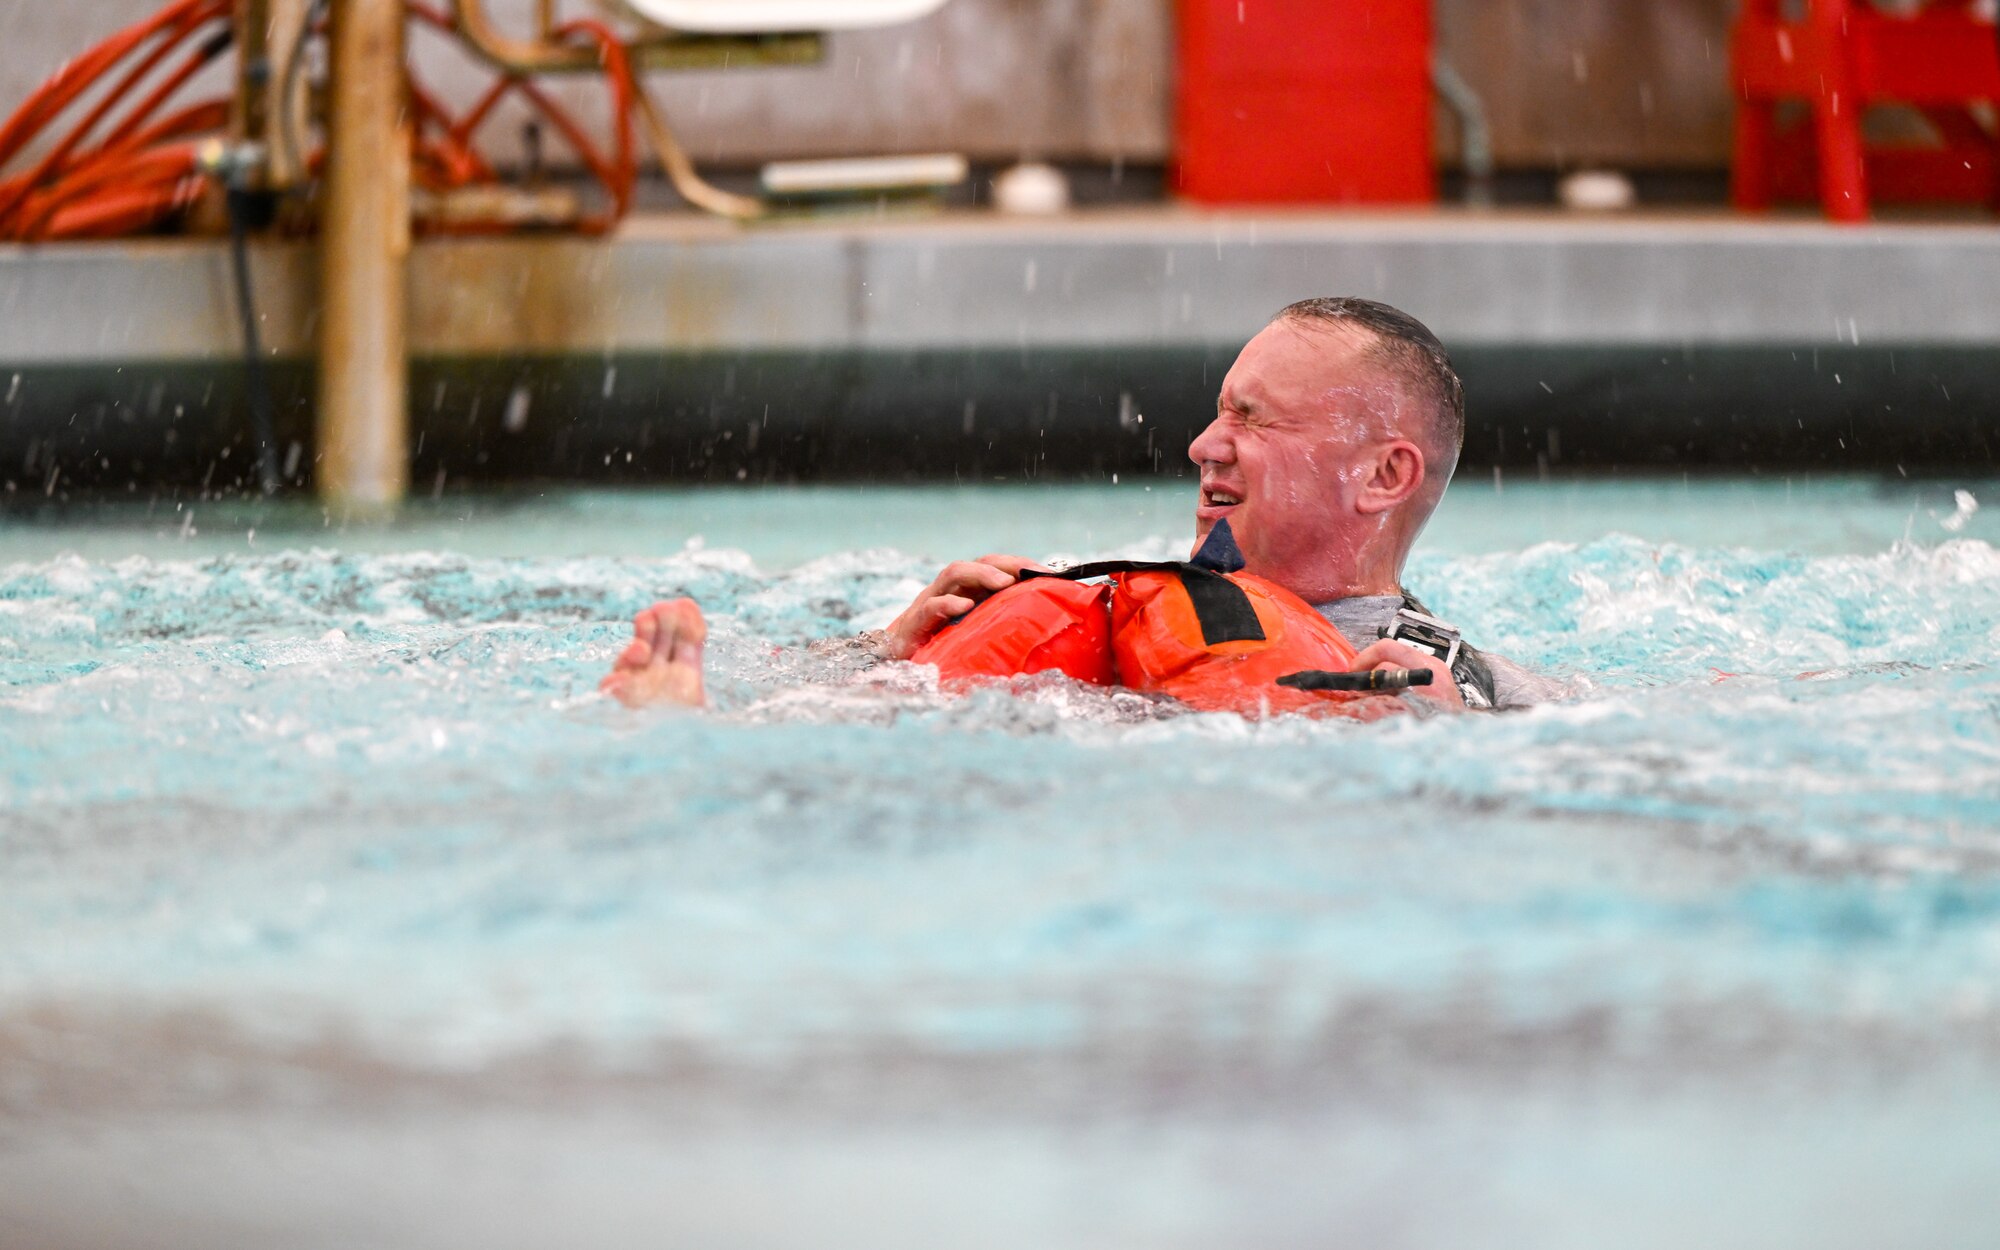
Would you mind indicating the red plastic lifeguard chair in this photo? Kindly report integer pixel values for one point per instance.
(1839, 57)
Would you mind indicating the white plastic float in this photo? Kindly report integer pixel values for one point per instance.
(750, 17)
(864, 174)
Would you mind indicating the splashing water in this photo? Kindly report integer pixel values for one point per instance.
(372, 796)
(1964, 505)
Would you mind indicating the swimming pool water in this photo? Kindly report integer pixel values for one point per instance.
(321, 802)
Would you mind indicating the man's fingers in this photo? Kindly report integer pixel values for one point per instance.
(983, 576)
(957, 590)
(918, 622)
(944, 608)
(971, 576)
(1015, 565)
(1389, 653)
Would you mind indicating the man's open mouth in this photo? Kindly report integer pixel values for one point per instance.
(1214, 503)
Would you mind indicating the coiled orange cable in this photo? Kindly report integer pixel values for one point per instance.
(142, 172)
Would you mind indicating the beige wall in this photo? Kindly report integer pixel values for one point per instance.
(1566, 81)
(1626, 82)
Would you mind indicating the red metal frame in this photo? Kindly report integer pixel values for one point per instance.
(1839, 57)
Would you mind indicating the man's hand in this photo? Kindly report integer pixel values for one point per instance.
(957, 590)
(1389, 653)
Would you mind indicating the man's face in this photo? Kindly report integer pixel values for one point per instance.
(1287, 454)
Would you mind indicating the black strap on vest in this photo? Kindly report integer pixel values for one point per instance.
(1224, 611)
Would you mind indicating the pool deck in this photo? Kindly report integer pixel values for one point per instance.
(973, 344)
(1110, 279)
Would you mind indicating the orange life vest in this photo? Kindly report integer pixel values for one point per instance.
(1030, 627)
(1219, 642)
(1216, 640)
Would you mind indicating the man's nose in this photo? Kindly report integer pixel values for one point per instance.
(1211, 446)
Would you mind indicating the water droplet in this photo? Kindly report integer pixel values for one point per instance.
(1965, 507)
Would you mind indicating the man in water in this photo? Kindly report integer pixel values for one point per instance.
(1335, 434)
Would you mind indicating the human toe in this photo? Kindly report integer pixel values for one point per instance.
(684, 617)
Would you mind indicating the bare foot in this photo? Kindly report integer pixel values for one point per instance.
(663, 662)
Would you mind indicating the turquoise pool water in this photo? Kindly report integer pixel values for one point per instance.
(326, 829)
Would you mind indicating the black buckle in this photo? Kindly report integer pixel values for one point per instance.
(1426, 633)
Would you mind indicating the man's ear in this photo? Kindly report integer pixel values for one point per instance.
(1396, 475)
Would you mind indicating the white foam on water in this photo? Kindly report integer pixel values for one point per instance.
(376, 793)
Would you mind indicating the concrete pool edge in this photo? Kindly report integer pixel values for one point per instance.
(1161, 278)
(979, 346)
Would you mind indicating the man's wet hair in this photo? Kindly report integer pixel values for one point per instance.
(1404, 347)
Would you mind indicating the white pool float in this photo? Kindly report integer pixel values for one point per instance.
(749, 17)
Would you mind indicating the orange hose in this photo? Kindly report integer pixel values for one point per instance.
(121, 211)
(195, 119)
(78, 76)
(618, 174)
(618, 76)
(453, 164)
(169, 164)
(30, 201)
(144, 169)
(160, 94)
(192, 120)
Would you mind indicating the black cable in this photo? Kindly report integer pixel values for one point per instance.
(243, 206)
(1377, 679)
(217, 43)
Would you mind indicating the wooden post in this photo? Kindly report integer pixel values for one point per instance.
(363, 423)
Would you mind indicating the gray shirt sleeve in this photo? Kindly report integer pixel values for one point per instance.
(1515, 686)
(1361, 619)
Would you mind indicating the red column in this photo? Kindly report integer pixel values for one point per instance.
(1304, 101)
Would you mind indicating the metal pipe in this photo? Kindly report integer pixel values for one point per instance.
(680, 171)
(270, 100)
(363, 465)
(253, 25)
(655, 50)
(1474, 137)
(527, 56)
(285, 109)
